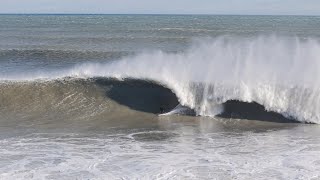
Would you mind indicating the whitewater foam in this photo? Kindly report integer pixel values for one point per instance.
(280, 73)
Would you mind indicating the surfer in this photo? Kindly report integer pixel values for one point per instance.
(161, 110)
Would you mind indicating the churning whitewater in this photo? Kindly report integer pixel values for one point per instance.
(281, 73)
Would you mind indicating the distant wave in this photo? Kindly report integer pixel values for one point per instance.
(280, 73)
(52, 54)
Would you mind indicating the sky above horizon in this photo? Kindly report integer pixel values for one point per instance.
(281, 7)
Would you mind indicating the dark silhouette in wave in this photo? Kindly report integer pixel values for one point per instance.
(148, 96)
(252, 111)
(140, 95)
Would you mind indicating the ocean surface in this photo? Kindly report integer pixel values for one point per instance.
(159, 97)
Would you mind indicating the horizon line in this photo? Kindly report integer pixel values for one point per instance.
(182, 14)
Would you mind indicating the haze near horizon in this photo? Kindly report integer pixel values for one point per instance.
(241, 7)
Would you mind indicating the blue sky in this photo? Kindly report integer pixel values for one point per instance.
(303, 7)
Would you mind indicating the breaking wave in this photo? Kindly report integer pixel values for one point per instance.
(279, 73)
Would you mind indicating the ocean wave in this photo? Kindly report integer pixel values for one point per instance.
(88, 99)
(95, 98)
(43, 54)
(279, 73)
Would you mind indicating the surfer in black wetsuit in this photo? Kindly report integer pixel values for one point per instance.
(161, 110)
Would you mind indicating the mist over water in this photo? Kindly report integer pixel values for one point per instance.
(80, 97)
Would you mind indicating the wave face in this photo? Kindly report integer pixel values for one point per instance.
(280, 73)
(81, 99)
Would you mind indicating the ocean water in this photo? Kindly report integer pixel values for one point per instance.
(159, 97)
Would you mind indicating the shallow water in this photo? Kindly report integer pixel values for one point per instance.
(166, 147)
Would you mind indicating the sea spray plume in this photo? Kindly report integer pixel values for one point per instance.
(280, 73)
